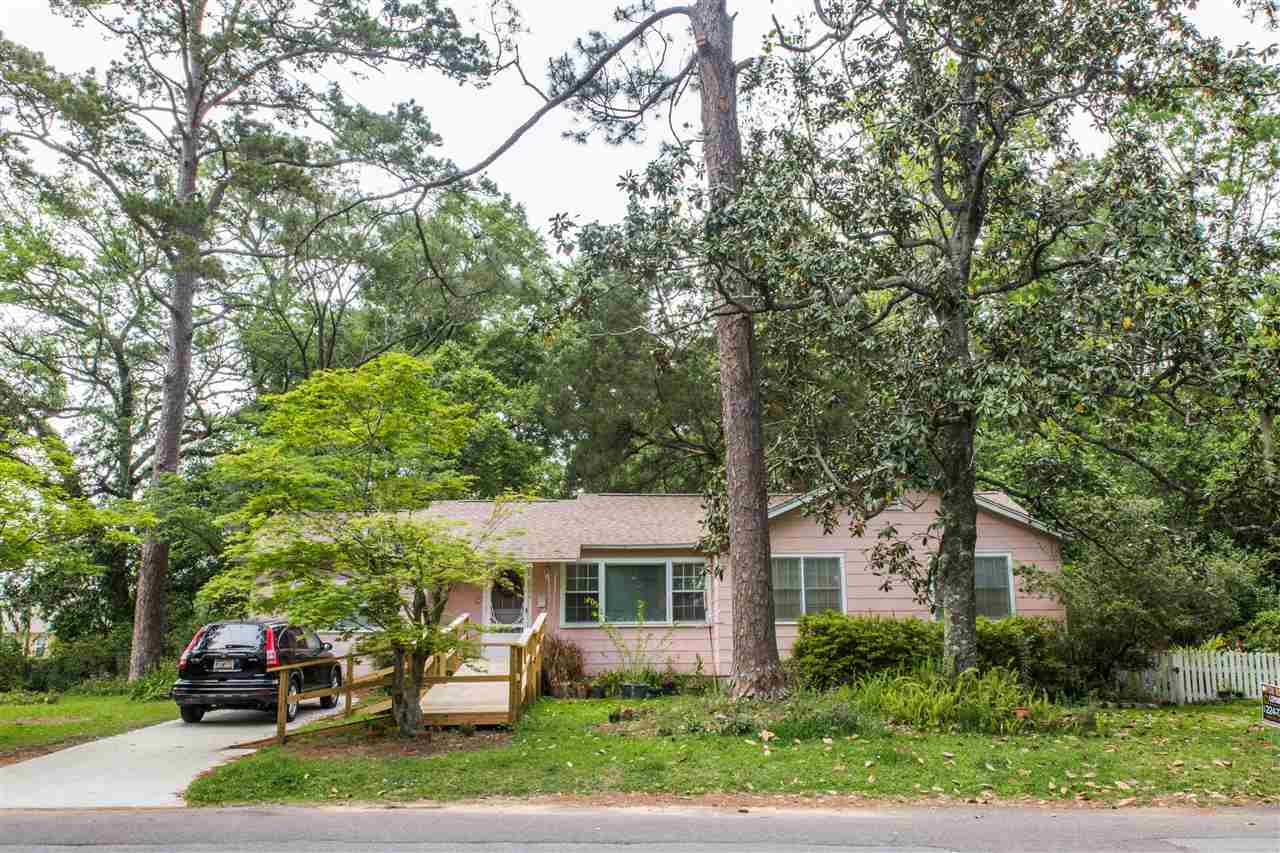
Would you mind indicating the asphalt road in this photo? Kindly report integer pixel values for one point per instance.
(481, 829)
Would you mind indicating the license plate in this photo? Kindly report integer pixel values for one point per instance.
(225, 665)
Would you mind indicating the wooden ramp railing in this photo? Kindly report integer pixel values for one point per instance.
(525, 672)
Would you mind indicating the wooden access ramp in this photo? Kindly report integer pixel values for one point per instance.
(493, 689)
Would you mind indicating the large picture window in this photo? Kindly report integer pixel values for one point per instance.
(993, 585)
(804, 585)
(630, 591)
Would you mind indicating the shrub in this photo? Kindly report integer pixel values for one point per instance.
(1263, 633)
(156, 683)
(562, 661)
(1036, 648)
(834, 649)
(13, 664)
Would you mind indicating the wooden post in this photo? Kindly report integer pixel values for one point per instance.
(517, 658)
(282, 705)
(351, 668)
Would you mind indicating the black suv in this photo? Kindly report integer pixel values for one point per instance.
(225, 666)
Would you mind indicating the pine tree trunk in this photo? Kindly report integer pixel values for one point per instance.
(153, 574)
(756, 666)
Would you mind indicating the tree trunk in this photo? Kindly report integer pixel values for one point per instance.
(955, 569)
(756, 668)
(153, 574)
(406, 692)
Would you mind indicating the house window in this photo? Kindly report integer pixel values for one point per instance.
(688, 592)
(803, 585)
(581, 592)
(627, 591)
(993, 585)
(635, 592)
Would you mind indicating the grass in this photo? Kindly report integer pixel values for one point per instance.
(1202, 755)
(31, 729)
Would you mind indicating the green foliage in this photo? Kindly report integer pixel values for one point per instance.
(13, 664)
(1132, 597)
(985, 702)
(834, 649)
(332, 526)
(1262, 634)
(226, 596)
(155, 684)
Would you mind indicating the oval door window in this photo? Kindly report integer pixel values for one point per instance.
(506, 599)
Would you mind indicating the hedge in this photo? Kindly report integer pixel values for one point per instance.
(834, 649)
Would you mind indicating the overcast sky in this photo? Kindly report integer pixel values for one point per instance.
(544, 172)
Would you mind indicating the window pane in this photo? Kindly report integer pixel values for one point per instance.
(629, 586)
(688, 597)
(821, 584)
(581, 593)
(991, 586)
(786, 588)
(688, 577)
(581, 577)
(579, 607)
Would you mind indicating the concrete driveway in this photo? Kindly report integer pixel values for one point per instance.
(151, 766)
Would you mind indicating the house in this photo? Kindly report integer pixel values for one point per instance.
(612, 556)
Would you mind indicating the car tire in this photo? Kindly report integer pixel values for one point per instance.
(191, 713)
(291, 707)
(335, 681)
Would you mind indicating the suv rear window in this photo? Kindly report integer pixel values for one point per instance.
(235, 635)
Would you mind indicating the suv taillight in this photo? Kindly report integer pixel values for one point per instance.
(273, 657)
(186, 653)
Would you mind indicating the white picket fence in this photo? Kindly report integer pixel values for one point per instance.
(1198, 676)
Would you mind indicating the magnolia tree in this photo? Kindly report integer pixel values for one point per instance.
(333, 530)
(930, 178)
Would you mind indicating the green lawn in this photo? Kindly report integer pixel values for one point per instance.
(33, 729)
(1210, 753)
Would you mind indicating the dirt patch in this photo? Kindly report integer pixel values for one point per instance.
(25, 753)
(389, 745)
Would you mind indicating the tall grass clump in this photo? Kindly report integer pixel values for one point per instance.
(990, 702)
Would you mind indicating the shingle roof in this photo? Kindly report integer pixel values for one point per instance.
(559, 530)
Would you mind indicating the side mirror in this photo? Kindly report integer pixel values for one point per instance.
(328, 647)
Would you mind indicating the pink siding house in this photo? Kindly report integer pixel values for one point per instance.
(612, 557)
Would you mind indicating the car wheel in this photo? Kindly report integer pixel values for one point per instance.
(335, 681)
(191, 713)
(292, 703)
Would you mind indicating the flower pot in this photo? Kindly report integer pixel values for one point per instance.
(1021, 713)
(597, 691)
(635, 691)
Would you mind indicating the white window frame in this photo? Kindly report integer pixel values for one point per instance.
(815, 555)
(1008, 568)
(636, 561)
